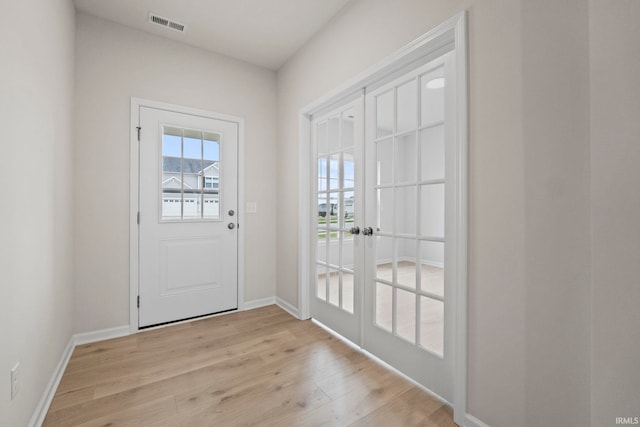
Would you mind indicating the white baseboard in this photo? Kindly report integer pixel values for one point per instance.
(101, 335)
(40, 413)
(287, 307)
(410, 259)
(471, 421)
(433, 263)
(257, 303)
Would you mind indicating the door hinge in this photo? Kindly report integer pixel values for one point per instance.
(138, 301)
(138, 128)
(138, 218)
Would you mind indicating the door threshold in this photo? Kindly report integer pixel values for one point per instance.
(188, 319)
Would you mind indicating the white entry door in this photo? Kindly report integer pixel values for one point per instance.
(188, 196)
(411, 210)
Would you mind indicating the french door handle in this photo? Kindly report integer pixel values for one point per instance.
(367, 231)
(231, 226)
(355, 230)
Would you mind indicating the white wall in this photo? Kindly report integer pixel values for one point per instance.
(555, 68)
(534, 225)
(36, 215)
(615, 159)
(529, 222)
(114, 63)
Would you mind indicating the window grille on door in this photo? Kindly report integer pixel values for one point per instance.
(191, 174)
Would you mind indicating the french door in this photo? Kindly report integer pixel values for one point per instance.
(408, 319)
(337, 209)
(383, 223)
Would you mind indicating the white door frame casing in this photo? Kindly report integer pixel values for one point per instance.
(428, 46)
(134, 182)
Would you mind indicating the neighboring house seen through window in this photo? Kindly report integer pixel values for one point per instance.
(211, 182)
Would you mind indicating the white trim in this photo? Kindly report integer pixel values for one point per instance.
(40, 413)
(134, 204)
(471, 421)
(461, 245)
(432, 263)
(240, 212)
(257, 303)
(134, 179)
(304, 214)
(426, 46)
(101, 335)
(139, 102)
(212, 165)
(405, 56)
(288, 308)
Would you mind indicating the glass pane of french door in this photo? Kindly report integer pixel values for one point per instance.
(336, 210)
(409, 193)
(406, 295)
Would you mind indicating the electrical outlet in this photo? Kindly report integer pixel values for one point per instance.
(16, 381)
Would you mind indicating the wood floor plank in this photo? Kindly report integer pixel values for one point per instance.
(215, 374)
(185, 361)
(266, 399)
(154, 413)
(260, 367)
(63, 400)
(145, 362)
(407, 409)
(355, 397)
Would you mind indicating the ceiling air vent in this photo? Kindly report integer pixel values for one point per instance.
(164, 22)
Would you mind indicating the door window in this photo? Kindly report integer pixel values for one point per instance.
(335, 212)
(410, 210)
(191, 174)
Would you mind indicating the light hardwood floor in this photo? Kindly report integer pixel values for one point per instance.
(258, 367)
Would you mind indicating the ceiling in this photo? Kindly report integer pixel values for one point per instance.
(262, 32)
